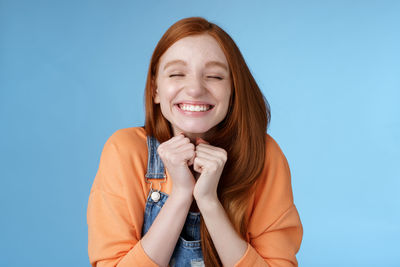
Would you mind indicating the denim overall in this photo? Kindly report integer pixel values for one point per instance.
(187, 251)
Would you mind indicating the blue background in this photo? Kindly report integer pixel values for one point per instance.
(73, 72)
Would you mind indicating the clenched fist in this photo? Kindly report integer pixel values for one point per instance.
(177, 155)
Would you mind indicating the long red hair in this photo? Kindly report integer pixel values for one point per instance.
(242, 133)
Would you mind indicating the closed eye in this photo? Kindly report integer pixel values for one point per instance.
(182, 75)
(179, 75)
(215, 77)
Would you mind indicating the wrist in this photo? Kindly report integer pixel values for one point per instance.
(208, 203)
(205, 198)
(182, 194)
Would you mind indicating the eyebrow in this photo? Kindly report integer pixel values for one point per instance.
(178, 61)
(208, 64)
(216, 63)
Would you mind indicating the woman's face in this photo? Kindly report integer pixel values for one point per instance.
(193, 85)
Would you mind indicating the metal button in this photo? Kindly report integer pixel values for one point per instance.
(155, 196)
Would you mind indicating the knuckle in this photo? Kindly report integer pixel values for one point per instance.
(213, 168)
(191, 146)
(224, 154)
(214, 165)
(225, 158)
(221, 163)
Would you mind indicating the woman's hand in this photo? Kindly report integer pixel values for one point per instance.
(177, 154)
(209, 161)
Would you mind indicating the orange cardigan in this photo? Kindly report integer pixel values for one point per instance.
(118, 196)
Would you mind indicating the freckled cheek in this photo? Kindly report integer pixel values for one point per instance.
(223, 94)
(167, 96)
(224, 100)
(169, 92)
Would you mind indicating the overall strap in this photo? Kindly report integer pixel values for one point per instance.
(155, 166)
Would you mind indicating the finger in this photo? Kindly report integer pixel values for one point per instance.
(187, 152)
(204, 163)
(198, 164)
(179, 132)
(182, 158)
(189, 157)
(205, 160)
(183, 146)
(176, 137)
(180, 139)
(219, 158)
(207, 145)
(207, 154)
(177, 143)
(172, 144)
(209, 163)
(212, 151)
(191, 160)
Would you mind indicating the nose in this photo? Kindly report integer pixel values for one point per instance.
(195, 87)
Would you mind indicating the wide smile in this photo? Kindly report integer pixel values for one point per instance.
(194, 109)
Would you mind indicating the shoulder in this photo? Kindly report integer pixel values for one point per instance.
(276, 169)
(128, 136)
(273, 187)
(273, 150)
(124, 148)
(276, 166)
(273, 191)
(127, 140)
(124, 153)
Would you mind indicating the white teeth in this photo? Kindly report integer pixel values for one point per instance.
(196, 108)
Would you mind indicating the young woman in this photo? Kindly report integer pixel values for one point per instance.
(202, 183)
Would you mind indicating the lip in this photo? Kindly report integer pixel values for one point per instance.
(194, 114)
(193, 103)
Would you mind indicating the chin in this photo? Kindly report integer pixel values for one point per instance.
(196, 129)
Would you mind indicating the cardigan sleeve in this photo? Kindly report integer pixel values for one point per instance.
(112, 237)
(275, 230)
(277, 246)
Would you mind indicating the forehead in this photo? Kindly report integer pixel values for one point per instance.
(194, 49)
